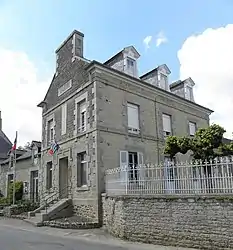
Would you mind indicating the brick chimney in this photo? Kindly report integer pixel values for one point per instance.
(0, 121)
(72, 47)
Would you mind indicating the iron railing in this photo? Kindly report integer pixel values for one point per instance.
(198, 178)
(56, 196)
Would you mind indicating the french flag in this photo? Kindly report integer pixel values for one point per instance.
(15, 143)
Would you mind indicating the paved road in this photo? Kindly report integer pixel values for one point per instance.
(15, 239)
(16, 235)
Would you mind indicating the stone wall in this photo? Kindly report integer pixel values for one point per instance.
(203, 223)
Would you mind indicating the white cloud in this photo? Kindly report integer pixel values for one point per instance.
(208, 59)
(160, 39)
(20, 92)
(147, 41)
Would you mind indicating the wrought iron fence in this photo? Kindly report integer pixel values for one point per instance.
(199, 177)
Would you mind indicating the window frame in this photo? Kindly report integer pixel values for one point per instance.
(133, 129)
(82, 121)
(195, 126)
(50, 131)
(82, 164)
(165, 133)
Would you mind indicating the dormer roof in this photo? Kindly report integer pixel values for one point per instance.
(126, 49)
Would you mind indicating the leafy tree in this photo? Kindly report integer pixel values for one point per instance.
(18, 191)
(205, 145)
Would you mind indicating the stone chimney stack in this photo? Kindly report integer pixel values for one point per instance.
(0, 121)
(71, 48)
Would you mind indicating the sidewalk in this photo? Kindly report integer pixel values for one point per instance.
(94, 235)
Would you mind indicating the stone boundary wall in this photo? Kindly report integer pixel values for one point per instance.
(188, 221)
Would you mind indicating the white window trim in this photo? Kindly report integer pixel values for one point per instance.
(76, 121)
(167, 132)
(86, 166)
(190, 128)
(50, 140)
(166, 82)
(82, 109)
(131, 128)
(63, 118)
(134, 68)
(25, 187)
(124, 166)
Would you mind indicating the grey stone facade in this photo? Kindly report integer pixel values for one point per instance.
(27, 167)
(202, 223)
(106, 92)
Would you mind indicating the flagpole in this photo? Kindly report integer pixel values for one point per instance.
(14, 173)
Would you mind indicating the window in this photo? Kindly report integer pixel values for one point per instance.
(63, 118)
(82, 169)
(82, 117)
(133, 118)
(131, 66)
(162, 81)
(192, 128)
(50, 131)
(131, 166)
(130, 63)
(10, 179)
(188, 93)
(167, 130)
(64, 87)
(49, 175)
(25, 187)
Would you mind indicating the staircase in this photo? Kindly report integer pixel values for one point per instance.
(52, 207)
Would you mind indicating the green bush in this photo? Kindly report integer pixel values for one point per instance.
(18, 191)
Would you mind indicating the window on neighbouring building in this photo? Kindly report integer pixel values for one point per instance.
(50, 131)
(188, 93)
(192, 128)
(82, 116)
(131, 66)
(131, 165)
(162, 81)
(63, 118)
(10, 179)
(167, 130)
(82, 174)
(49, 175)
(25, 187)
(133, 118)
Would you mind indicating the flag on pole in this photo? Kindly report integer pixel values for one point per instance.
(54, 148)
(15, 143)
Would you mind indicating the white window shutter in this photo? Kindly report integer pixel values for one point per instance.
(167, 123)
(141, 166)
(192, 128)
(123, 165)
(63, 118)
(133, 117)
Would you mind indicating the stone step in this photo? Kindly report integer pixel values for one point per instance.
(34, 221)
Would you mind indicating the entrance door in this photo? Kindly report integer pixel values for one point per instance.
(133, 162)
(63, 177)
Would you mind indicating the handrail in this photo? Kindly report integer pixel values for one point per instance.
(55, 196)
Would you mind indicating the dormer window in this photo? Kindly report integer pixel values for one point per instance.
(163, 82)
(130, 63)
(188, 93)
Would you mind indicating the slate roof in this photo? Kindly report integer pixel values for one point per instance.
(5, 145)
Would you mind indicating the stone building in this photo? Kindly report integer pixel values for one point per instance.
(5, 143)
(104, 115)
(27, 166)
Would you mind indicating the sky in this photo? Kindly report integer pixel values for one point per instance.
(194, 38)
